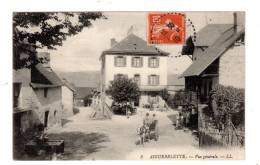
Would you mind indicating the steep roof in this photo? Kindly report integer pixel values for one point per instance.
(82, 92)
(220, 46)
(50, 75)
(210, 33)
(133, 44)
(69, 85)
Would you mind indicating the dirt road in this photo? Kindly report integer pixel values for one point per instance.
(115, 139)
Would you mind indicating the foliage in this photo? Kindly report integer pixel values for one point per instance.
(179, 97)
(45, 30)
(75, 110)
(165, 95)
(87, 100)
(123, 90)
(230, 102)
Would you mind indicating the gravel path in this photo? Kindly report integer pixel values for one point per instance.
(115, 139)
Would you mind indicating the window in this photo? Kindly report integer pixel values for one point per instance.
(153, 62)
(55, 113)
(120, 61)
(137, 61)
(45, 92)
(153, 80)
(17, 88)
(16, 93)
(137, 78)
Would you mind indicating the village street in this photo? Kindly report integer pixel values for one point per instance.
(115, 139)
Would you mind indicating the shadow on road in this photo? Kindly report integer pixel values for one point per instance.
(78, 144)
(64, 121)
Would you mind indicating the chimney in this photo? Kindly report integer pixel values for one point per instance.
(113, 42)
(45, 58)
(239, 21)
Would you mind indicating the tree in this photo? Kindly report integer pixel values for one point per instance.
(165, 95)
(230, 103)
(32, 30)
(123, 90)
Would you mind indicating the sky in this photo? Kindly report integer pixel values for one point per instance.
(81, 52)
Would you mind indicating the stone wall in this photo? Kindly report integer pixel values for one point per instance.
(232, 67)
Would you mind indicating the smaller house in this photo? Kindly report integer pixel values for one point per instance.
(82, 92)
(40, 96)
(68, 95)
(218, 59)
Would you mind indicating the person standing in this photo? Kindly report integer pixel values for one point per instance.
(154, 118)
(188, 117)
(147, 123)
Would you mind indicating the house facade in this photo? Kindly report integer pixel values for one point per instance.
(217, 60)
(40, 96)
(145, 64)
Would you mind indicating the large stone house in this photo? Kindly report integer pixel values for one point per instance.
(146, 64)
(40, 96)
(218, 57)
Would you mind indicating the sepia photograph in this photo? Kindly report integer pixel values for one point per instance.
(128, 85)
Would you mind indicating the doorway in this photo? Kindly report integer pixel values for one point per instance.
(136, 103)
(46, 115)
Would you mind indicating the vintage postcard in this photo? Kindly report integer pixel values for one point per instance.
(129, 85)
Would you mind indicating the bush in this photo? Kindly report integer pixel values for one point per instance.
(179, 98)
(75, 110)
(230, 103)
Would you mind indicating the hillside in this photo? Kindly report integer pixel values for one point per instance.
(92, 78)
(82, 79)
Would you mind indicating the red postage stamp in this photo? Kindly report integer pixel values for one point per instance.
(166, 28)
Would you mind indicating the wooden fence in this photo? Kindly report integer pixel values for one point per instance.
(210, 137)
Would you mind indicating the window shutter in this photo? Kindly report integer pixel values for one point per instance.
(132, 62)
(149, 79)
(124, 61)
(158, 79)
(141, 65)
(157, 61)
(149, 62)
(115, 62)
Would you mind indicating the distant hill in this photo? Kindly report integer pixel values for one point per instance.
(82, 79)
(93, 78)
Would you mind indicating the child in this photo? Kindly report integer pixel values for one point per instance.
(181, 121)
(178, 121)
